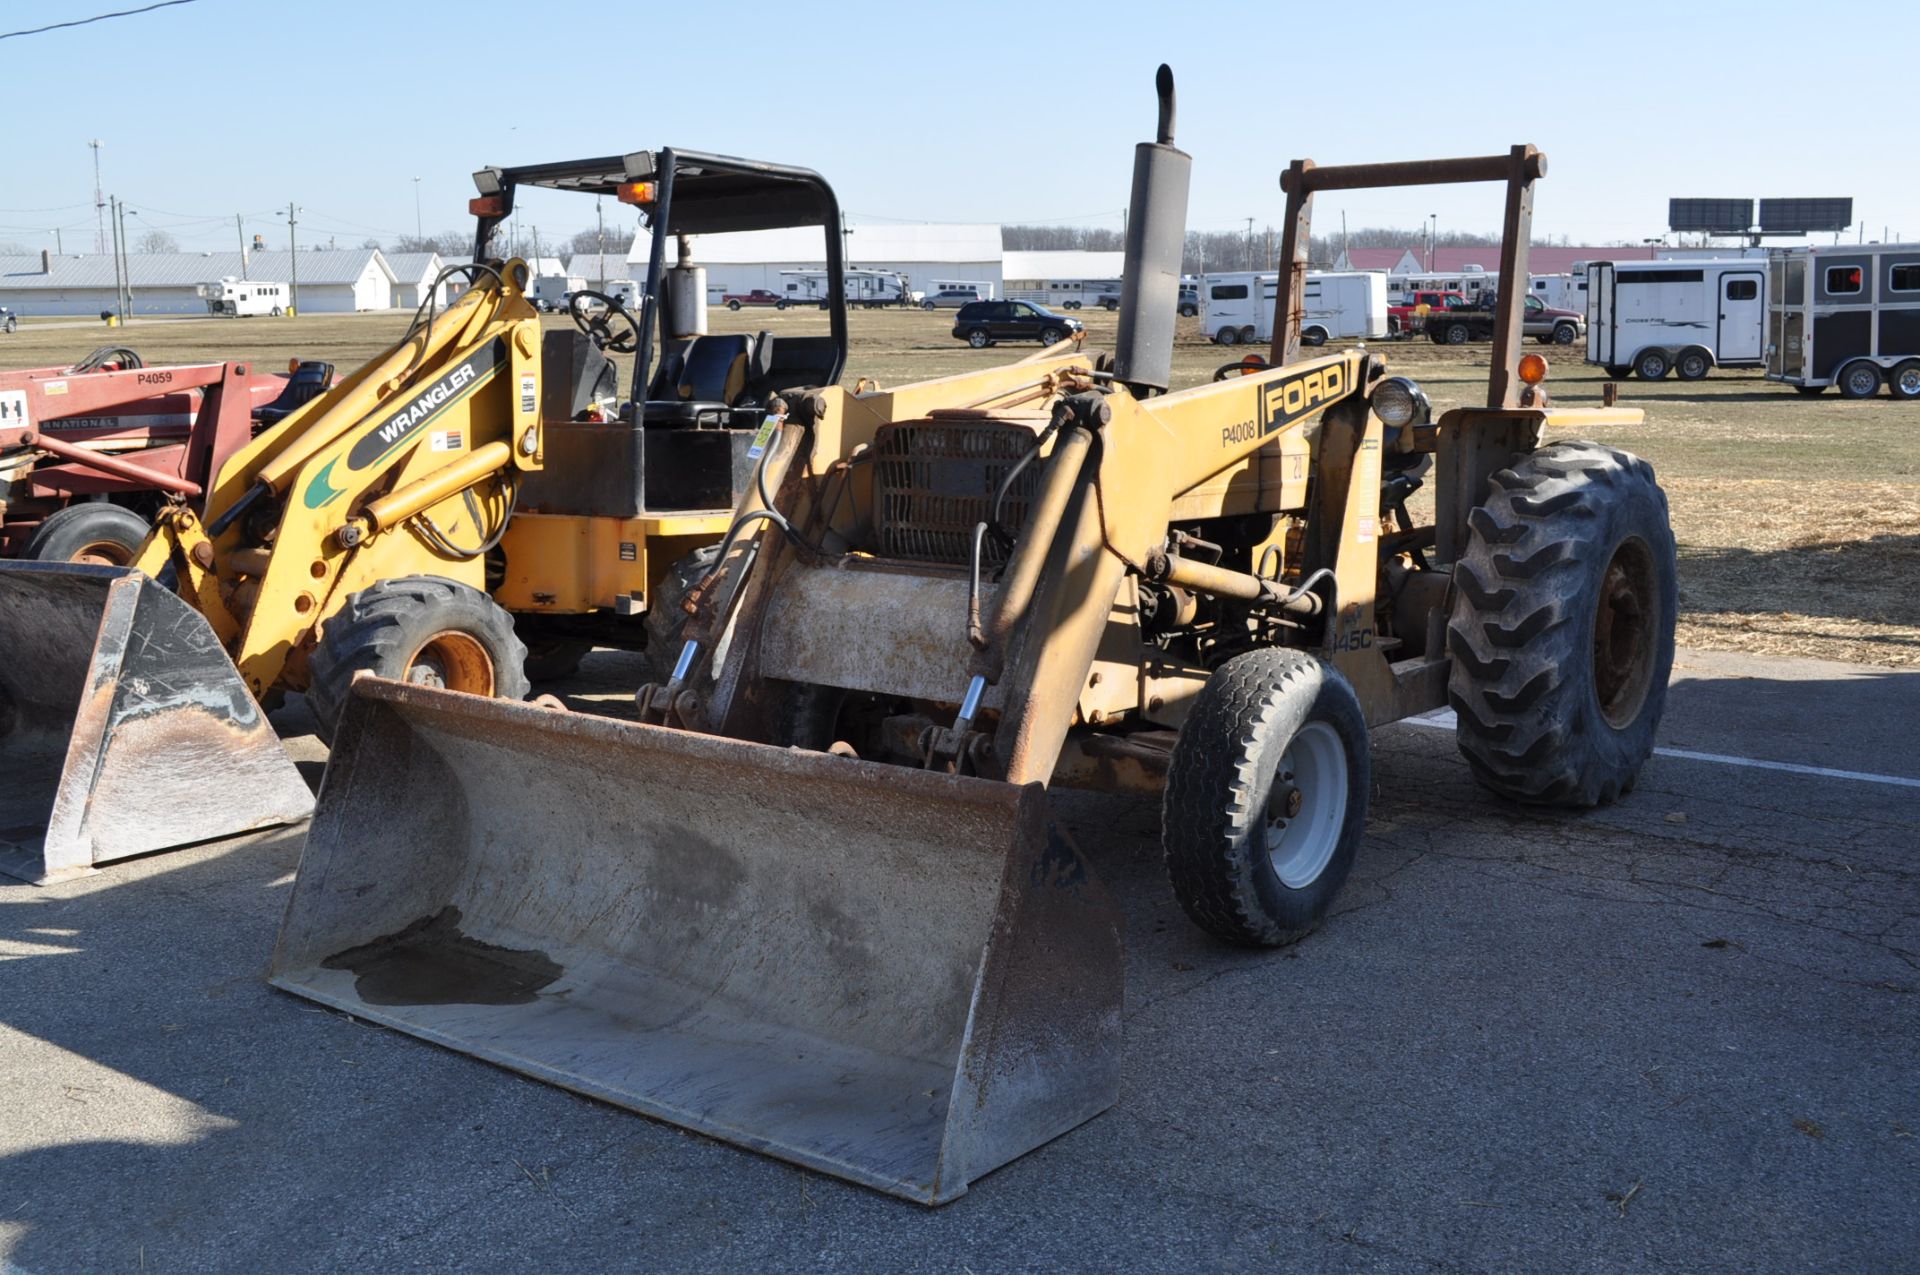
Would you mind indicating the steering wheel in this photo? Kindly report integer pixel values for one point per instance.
(1247, 366)
(609, 327)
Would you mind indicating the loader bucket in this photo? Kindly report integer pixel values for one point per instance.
(901, 978)
(124, 727)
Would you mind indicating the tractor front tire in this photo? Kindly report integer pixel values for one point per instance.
(419, 629)
(1266, 797)
(91, 531)
(1561, 634)
(550, 659)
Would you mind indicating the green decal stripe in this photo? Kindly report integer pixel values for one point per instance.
(321, 492)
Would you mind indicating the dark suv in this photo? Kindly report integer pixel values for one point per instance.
(981, 323)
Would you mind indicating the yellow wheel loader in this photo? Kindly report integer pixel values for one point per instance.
(814, 902)
(482, 489)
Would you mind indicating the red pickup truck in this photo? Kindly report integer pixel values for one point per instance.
(1409, 316)
(759, 296)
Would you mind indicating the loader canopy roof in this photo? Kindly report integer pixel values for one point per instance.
(712, 194)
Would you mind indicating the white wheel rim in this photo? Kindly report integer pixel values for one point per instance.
(1301, 840)
(1910, 381)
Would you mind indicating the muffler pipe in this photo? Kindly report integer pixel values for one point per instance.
(1156, 244)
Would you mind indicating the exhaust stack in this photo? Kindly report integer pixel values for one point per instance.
(1156, 242)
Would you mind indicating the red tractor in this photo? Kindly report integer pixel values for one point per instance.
(89, 451)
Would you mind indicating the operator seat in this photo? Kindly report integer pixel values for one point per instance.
(704, 381)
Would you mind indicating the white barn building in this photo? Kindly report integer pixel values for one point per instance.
(924, 252)
(414, 273)
(330, 281)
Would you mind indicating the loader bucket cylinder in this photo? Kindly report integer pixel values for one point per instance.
(124, 727)
(898, 977)
(1156, 242)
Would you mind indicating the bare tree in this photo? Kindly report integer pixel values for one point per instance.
(448, 243)
(618, 239)
(157, 241)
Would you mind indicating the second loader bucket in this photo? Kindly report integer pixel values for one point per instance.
(902, 978)
(124, 727)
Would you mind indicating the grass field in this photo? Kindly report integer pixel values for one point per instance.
(1798, 519)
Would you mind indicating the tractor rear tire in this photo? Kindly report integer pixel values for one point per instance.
(91, 531)
(420, 629)
(665, 621)
(1266, 797)
(1562, 626)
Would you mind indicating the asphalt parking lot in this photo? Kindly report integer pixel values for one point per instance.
(1678, 1033)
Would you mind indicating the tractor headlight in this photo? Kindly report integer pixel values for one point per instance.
(1398, 402)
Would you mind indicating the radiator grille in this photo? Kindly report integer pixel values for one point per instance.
(934, 480)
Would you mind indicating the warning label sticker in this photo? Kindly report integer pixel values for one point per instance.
(445, 440)
(1364, 530)
(529, 393)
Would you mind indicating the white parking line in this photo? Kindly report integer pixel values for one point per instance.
(1442, 719)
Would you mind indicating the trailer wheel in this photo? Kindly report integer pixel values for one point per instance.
(1314, 336)
(1266, 797)
(1859, 379)
(1904, 381)
(666, 621)
(419, 629)
(1693, 365)
(1652, 364)
(1561, 635)
(1457, 334)
(276, 312)
(92, 531)
(1247, 334)
(1227, 336)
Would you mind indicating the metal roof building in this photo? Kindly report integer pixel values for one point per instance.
(925, 252)
(330, 281)
(413, 273)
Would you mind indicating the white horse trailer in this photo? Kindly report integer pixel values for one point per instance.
(982, 290)
(1068, 294)
(1561, 291)
(1689, 317)
(242, 298)
(1337, 306)
(1846, 315)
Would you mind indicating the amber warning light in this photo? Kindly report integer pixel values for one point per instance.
(636, 192)
(1533, 369)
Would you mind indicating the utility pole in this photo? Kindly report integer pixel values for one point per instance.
(119, 289)
(99, 204)
(1249, 243)
(1269, 247)
(241, 230)
(1433, 233)
(1346, 244)
(600, 220)
(536, 248)
(293, 257)
(417, 232)
(58, 251)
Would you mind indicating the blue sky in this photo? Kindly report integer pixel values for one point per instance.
(919, 111)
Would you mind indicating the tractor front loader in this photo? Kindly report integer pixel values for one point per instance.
(814, 903)
(481, 488)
